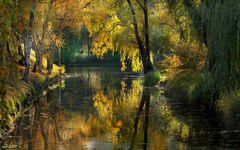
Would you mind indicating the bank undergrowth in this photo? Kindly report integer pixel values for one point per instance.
(17, 94)
(195, 87)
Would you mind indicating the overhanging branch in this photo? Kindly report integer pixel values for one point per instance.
(140, 4)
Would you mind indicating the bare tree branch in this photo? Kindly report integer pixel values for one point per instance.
(86, 5)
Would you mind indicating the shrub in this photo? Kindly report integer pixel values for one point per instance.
(152, 78)
(188, 83)
(229, 103)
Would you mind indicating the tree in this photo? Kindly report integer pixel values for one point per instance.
(29, 41)
(65, 14)
(108, 23)
(144, 50)
(217, 25)
(39, 51)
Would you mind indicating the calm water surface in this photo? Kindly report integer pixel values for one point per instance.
(102, 108)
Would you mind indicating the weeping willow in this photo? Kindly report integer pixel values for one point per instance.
(223, 25)
(217, 24)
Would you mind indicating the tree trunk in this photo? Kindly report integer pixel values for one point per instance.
(148, 65)
(3, 74)
(59, 56)
(50, 60)
(48, 65)
(25, 36)
(89, 42)
(36, 63)
(145, 53)
(60, 34)
(8, 49)
(20, 52)
(9, 55)
(2, 60)
(37, 56)
(45, 27)
(29, 42)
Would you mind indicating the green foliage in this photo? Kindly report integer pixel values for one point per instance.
(72, 47)
(217, 24)
(152, 78)
(222, 63)
(188, 83)
(223, 44)
(202, 93)
(62, 69)
(229, 103)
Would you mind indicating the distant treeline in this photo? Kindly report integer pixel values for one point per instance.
(77, 50)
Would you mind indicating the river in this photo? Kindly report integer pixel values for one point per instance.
(103, 108)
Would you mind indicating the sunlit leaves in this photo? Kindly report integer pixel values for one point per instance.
(6, 20)
(102, 44)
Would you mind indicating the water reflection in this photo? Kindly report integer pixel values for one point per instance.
(106, 109)
(145, 101)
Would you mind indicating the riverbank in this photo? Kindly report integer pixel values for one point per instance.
(191, 88)
(20, 95)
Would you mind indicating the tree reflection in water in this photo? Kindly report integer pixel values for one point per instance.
(44, 116)
(105, 110)
(145, 100)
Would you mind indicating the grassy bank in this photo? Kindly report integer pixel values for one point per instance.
(20, 94)
(193, 89)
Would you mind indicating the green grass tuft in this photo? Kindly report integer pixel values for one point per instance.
(152, 78)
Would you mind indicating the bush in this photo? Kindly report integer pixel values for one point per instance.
(205, 93)
(152, 78)
(229, 103)
(189, 84)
